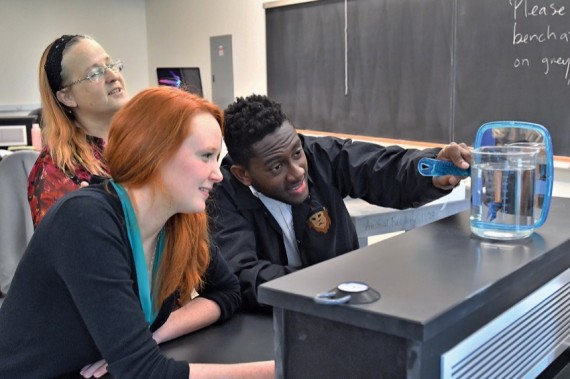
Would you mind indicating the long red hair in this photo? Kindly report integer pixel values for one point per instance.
(144, 134)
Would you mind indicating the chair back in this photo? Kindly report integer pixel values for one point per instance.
(16, 227)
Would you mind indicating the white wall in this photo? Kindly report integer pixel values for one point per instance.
(179, 35)
(28, 26)
(144, 33)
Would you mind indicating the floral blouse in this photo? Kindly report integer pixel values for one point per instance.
(47, 183)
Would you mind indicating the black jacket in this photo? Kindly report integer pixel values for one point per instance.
(251, 240)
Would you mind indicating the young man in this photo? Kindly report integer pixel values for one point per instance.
(280, 205)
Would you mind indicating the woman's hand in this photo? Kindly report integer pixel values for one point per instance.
(94, 370)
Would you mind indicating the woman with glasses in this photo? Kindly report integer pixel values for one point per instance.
(81, 88)
(120, 259)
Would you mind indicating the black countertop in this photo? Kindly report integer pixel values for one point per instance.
(246, 337)
(432, 277)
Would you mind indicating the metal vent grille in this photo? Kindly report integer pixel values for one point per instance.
(521, 342)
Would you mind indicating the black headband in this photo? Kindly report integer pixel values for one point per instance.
(53, 61)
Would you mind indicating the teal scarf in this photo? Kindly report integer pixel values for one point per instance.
(133, 231)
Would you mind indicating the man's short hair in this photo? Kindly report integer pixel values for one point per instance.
(247, 121)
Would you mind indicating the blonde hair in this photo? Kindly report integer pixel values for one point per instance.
(145, 134)
(67, 143)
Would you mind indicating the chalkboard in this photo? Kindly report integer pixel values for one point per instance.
(424, 70)
(513, 62)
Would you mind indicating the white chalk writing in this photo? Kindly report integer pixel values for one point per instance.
(526, 9)
(532, 26)
(548, 35)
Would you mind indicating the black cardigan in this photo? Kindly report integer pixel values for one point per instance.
(74, 297)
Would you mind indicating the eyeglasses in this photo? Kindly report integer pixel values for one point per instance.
(96, 73)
